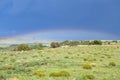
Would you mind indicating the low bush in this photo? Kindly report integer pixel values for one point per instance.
(54, 44)
(112, 64)
(86, 65)
(90, 59)
(101, 59)
(39, 73)
(85, 59)
(23, 47)
(59, 74)
(66, 57)
(89, 76)
(96, 42)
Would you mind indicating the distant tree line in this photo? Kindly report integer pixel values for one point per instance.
(81, 42)
(40, 46)
(75, 43)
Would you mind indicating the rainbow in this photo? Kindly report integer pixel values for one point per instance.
(59, 35)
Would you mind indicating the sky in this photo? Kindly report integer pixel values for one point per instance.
(25, 17)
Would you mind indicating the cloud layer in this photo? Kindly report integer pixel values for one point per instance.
(22, 16)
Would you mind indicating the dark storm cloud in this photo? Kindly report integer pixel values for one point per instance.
(31, 15)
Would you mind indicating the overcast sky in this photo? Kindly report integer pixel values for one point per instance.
(18, 17)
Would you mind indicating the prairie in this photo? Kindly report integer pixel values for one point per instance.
(84, 62)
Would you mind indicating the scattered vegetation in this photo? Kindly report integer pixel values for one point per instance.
(77, 62)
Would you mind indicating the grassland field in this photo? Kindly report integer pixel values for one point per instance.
(85, 62)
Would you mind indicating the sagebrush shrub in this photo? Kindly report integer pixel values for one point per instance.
(66, 57)
(59, 74)
(39, 73)
(89, 76)
(101, 59)
(85, 59)
(112, 64)
(86, 65)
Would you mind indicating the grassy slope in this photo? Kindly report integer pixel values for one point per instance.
(23, 64)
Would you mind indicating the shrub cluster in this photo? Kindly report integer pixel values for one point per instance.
(96, 42)
(23, 47)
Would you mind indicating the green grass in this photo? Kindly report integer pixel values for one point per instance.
(44, 64)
